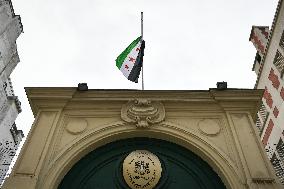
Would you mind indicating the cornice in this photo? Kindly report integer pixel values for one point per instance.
(48, 97)
(112, 99)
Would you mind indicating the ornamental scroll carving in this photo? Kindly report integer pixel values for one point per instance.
(143, 112)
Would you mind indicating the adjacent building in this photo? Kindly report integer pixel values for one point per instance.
(10, 137)
(269, 67)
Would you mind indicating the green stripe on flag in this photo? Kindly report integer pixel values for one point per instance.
(120, 59)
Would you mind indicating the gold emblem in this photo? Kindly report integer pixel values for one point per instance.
(141, 170)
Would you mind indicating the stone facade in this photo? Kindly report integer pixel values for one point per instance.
(269, 67)
(218, 126)
(10, 107)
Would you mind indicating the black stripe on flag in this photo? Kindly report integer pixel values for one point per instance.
(135, 72)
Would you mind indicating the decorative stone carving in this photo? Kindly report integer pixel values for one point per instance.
(143, 112)
(76, 126)
(142, 169)
(263, 180)
(209, 127)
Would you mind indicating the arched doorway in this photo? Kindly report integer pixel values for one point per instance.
(102, 168)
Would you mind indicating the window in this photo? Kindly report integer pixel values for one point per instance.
(4, 85)
(258, 57)
(262, 116)
(279, 62)
(277, 161)
(281, 43)
(17, 134)
(258, 124)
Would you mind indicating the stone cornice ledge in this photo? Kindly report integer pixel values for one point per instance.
(229, 99)
(48, 97)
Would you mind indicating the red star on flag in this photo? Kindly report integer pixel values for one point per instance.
(126, 66)
(132, 59)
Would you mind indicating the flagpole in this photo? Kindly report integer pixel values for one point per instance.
(141, 41)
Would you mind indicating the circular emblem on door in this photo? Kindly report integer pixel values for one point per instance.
(142, 169)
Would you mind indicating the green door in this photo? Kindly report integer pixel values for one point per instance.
(102, 168)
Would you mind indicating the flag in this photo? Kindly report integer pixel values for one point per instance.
(129, 62)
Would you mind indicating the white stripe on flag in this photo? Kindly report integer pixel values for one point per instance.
(127, 65)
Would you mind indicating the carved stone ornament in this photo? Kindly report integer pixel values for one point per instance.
(76, 126)
(143, 112)
(142, 169)
(209, 127)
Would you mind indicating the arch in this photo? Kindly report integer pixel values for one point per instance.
(102, 168)
(103, 135)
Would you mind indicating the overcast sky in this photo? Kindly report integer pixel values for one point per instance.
(190, 44)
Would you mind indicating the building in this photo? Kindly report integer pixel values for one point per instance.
(86, 138)
(10, 137)
(269, 67)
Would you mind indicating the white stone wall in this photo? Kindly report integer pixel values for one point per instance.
(10, 29)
